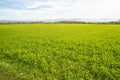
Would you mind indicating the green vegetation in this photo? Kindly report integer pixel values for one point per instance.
(59, 52)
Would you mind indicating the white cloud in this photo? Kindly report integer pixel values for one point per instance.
(43, 9)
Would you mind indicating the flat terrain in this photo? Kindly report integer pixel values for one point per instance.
(59, 52)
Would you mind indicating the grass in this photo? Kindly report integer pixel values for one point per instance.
(59, 52)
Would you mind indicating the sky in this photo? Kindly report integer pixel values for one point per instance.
(58, 9)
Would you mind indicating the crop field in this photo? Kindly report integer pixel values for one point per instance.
(59, 52)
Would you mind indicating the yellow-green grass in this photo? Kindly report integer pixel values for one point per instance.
(59, 52)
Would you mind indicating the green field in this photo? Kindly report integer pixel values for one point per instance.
(59, 52)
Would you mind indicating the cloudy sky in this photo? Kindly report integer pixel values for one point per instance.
(58, 9)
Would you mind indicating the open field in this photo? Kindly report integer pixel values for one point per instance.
(59, 52)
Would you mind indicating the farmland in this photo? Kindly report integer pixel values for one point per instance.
(59, 52)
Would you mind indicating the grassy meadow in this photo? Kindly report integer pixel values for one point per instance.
(59, 52)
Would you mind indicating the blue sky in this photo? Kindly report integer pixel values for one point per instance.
(58, 9)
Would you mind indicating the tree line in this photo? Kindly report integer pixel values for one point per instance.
(63, 22)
